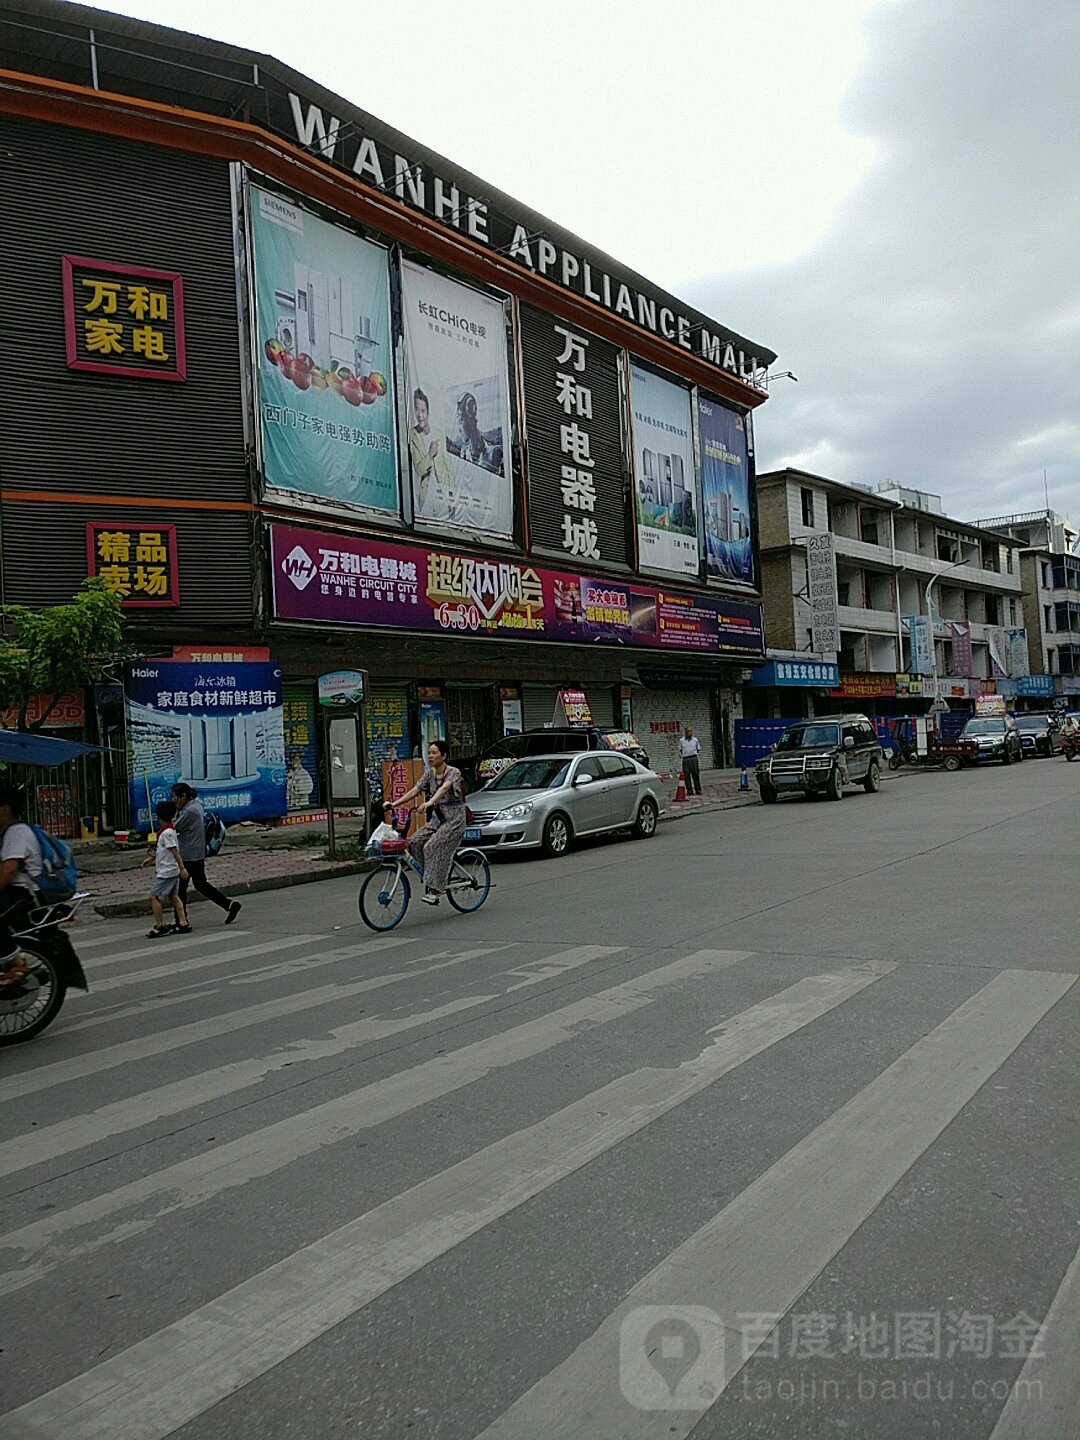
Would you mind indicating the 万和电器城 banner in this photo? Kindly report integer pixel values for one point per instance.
(459, 404)
(323, 358)
(725, 492)
(665, 483)
(216, 726)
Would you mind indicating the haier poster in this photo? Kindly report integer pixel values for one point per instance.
(323, 357)
(725, 492)
(664, 480)
(459, 404)
(216, 726)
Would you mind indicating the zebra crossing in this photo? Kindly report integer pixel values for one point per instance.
(391, 1113)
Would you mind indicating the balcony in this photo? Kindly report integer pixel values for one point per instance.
(875, 622)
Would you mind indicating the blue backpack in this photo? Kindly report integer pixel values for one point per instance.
(215, 832)
(59, 878)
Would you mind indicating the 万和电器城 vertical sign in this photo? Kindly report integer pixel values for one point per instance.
(323, 358)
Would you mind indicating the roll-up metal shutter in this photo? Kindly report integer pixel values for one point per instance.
(538, 704)
(119, 202)
(573, 417)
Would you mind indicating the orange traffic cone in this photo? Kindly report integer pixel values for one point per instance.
(680, 792)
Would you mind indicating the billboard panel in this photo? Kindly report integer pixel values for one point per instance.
(459, 404)
(725, 492)
(351, 580)
(217, 726)
(324, 358)
(665, 484)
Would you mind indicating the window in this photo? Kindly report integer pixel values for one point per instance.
(592, 767)
(1048, 618)
(1012, 612)
(1008, 562)
(851, 732)
(616, 766)
(808, 508)
(1046, 574)
(865, 733)
(843, 592)
(870, 532)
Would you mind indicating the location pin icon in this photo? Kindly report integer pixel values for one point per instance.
(672, 1347)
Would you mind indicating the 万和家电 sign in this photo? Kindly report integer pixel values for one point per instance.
(123, 319)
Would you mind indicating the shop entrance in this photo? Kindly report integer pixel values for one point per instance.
(472, 720)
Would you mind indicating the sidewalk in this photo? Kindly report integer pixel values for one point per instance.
(719, 791)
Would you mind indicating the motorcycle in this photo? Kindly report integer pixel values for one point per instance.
(31, 1004)
(1070, 746)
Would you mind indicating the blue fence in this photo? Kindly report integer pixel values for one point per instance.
(754, 739)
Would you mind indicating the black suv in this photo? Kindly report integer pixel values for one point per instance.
(554, 740)
(820, 757)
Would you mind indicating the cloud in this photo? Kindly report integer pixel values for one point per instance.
(934, 330)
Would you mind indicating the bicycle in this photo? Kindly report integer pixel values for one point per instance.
(385, 894)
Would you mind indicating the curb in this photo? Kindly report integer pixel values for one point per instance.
(735, 803)
(137, 905)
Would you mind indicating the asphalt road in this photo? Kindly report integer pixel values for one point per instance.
(764, 1127)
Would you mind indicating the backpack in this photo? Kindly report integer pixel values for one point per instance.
(215, 832)
(59, 878)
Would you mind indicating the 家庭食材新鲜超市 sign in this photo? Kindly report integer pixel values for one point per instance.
(319, 577)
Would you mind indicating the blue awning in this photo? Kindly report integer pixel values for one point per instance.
(17, 747)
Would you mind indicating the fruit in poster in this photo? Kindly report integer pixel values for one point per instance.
(379, 381)
(334, 381)
(369, 391)
(318, 379)
(307, 362)
(273, 350)
(345, 373)
(352, 392)
(300, 375)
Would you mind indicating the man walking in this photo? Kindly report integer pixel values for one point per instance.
(191, 832)
(689, 750)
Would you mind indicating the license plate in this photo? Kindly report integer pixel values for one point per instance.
(474, 833)
(788, 779)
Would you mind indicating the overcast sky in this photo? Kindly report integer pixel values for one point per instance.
(883, 191)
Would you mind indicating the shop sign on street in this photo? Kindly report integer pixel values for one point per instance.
(572, 708)
(573, 419)
(864, 685)
(123, 319)
(812, 674)
(135, 562)
(821, 587)
(342, 688)
(68, 712)
(350, 580)
(990, 705)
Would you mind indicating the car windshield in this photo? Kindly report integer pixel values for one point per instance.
(533, 775)
(1032, 722)
(988, 725)
(805, 736)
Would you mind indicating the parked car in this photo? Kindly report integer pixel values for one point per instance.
(554, 740)
(627, 743)
(548, 801)
(1039, 734)
(820, 757)
(996, 737)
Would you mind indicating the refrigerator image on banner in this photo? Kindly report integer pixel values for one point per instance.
(217, 726)
(664, 474)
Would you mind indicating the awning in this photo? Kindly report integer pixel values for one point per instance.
(17, 747)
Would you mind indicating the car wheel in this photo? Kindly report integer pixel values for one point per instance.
(872, 783)
(645, 824)
(557, 835)
(768, 794)
(952, 763)
(835, 790)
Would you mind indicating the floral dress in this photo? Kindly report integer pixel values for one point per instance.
(436, 844)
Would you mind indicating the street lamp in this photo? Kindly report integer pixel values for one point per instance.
(955, 565)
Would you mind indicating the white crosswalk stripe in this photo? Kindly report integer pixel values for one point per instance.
(757, 1254)
(171, 1377)
(186, 964)
(96, 964)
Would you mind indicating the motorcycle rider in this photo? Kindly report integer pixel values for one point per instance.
(20, 866)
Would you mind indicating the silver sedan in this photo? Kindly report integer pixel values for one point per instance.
(548, 801)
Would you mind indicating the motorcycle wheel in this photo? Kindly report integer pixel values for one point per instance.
(36, 1003)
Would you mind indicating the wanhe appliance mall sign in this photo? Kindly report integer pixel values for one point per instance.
(343, 144)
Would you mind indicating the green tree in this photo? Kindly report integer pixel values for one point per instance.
(58, 648)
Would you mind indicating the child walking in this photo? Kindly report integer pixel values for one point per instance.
(168, 871)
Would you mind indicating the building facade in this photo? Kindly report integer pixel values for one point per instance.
(874, 599)
(310, 397)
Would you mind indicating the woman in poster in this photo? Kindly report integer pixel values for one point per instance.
(434, 846)
(430, 457)
(470, 442)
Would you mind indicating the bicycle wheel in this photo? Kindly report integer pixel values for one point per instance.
(469, 882)
(384, 897)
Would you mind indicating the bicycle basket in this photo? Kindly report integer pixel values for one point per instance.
(396, 846)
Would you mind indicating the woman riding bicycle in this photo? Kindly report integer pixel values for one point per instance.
(435, 845)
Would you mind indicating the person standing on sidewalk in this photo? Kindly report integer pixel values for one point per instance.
(191, 832)
(689, 750)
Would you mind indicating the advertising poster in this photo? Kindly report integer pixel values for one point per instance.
(922, 644)
(301, 754)
(352, 580)
(1019, 663)
(725, 492)
(386, 717)
(821, 588)
(998, 645)
(325, 392)
(962, 660)
(217, 726)
(664, 476)
(458, 403)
